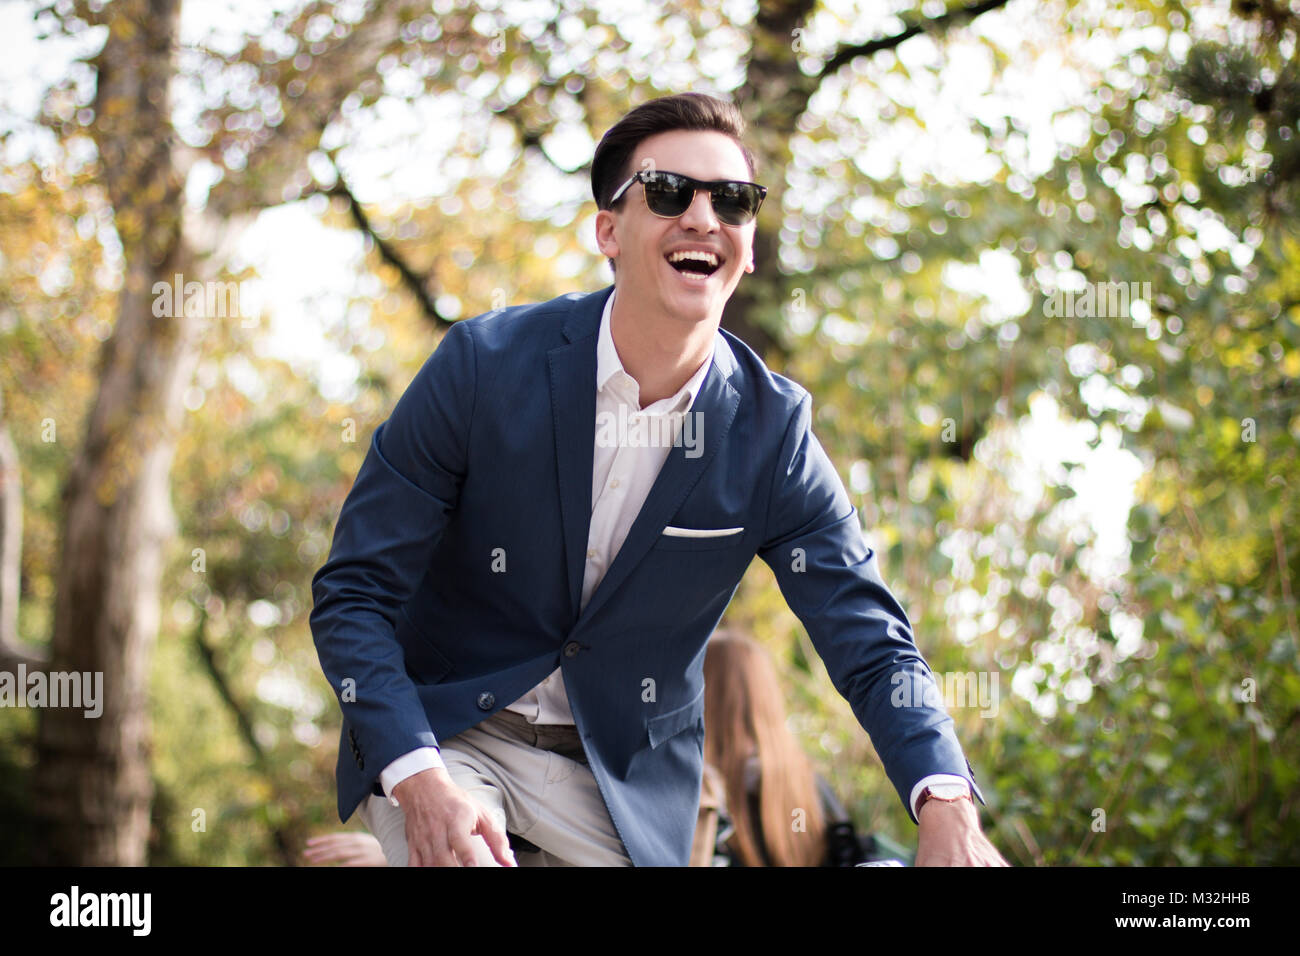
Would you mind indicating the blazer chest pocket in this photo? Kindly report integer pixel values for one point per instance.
(666, 726)
(698, 539)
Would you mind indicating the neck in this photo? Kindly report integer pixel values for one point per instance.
(659, 352)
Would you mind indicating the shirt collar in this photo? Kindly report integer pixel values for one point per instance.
(608, 364)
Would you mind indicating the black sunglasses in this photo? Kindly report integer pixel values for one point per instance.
(668, 195)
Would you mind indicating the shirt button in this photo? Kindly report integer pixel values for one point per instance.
(614, 483)
(486, 700)
(571, 649)
(591, 552)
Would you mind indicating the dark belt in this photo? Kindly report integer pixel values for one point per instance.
(563, 739)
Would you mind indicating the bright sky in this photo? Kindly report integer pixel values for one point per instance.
(309, 273)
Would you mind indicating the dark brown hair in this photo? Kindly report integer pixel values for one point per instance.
(690, 111)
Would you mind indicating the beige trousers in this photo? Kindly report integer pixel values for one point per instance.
(534, 778)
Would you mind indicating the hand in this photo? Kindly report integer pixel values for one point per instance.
(444, 824)
(346, 849)
(951, 836)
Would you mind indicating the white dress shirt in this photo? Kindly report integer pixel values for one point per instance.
(623, 471)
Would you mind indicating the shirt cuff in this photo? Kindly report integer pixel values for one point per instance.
(408, 765)
(930, 781)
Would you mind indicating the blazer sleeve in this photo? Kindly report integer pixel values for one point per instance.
(829, 577)
(391, 521)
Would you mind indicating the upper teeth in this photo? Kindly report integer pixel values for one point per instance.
(708, 257)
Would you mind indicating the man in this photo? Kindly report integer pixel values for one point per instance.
(551, 523)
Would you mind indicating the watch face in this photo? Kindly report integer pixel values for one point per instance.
(949, 791)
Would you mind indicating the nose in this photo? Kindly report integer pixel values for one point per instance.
(699, 214)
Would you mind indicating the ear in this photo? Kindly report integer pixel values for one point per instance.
(750, 266)
(605, 240)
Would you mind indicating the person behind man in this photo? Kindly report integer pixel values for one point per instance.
(551, 523)
(772, 792)
(770, 806)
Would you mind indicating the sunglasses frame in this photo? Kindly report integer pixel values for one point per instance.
(645, 176)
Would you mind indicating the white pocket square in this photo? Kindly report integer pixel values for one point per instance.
(700, 532)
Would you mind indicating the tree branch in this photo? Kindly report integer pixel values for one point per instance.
(418, 285)
(530, 137)
(944, 21)
(245, 723)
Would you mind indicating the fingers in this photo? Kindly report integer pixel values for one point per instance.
(445, 841)
(463, 846)
(454, 829)
(465, 838)
(498, 842)
(345, 848)
(426, 842)
(329, 843)
(441, 856)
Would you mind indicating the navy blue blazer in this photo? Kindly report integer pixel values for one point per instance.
(454, 581)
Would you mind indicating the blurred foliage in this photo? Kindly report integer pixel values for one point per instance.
(1163, 691)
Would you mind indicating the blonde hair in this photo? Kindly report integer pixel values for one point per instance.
(744, 716)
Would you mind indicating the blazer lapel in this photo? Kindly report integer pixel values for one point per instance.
(573, 411)
(717, 403)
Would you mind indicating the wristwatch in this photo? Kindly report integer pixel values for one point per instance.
(945, 792)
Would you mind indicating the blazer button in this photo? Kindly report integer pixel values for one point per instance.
(486, 700)
(571, 649)
(361, 764)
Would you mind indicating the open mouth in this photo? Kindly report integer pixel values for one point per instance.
(694, 263)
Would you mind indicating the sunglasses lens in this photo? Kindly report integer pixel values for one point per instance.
(668, 195)
(735, 203)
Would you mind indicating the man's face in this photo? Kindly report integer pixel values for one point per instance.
(641, 242)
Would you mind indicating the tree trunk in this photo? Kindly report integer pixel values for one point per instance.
(92, 784)
(773, 97)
